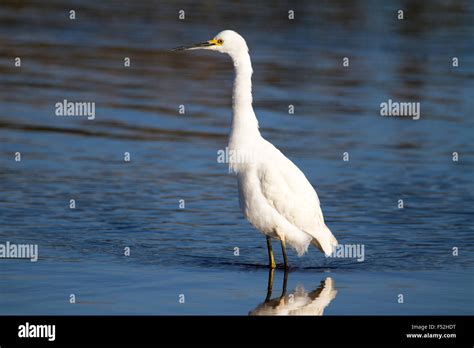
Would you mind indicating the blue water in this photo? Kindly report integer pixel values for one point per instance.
(174, 157)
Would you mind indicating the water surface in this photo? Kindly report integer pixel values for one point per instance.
(174, 157)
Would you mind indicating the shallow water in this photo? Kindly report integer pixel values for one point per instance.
(191, 251)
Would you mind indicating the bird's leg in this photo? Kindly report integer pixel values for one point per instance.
(271, 259)
(283, 250)
(285, 281)
(283, 290)
(271, 272)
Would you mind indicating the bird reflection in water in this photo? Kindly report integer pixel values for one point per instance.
(299, 302)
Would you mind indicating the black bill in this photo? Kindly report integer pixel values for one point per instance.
(199, 45)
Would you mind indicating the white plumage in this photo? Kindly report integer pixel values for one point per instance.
(274, 194)
(300, 302)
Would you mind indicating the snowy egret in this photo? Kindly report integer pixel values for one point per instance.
(299, 302)
(274, 194)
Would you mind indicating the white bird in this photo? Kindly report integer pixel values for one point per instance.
(300, 302)
(274, 194)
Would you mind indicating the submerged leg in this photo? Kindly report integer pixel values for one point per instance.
(271, 272)
(271, 259)
(283, 250)
(283, 290)
(285, 281)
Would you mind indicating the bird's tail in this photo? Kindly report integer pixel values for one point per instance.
(325, 241)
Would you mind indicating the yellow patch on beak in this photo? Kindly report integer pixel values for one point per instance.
(215, 42)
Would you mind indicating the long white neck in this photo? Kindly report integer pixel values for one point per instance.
(244, 122)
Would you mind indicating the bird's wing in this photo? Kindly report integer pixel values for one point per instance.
(287, 190)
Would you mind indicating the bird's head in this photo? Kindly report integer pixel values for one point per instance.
(227, 41)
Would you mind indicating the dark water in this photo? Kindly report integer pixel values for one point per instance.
(173, 156)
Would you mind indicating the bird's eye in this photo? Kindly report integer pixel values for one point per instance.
(220, 41)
